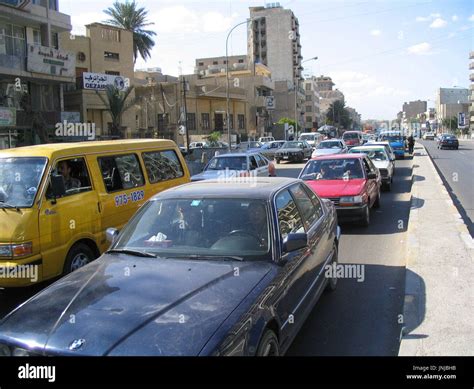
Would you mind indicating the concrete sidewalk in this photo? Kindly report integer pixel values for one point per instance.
(439, 292)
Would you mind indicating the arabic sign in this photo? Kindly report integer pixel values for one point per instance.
(98, 81)
(20, 4)
(7, 117)
(51, 61)
(462, 120)
(270, 102)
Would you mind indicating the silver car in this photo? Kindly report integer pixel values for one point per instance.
(329, 147)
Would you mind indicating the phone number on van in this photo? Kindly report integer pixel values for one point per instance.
(124, 199)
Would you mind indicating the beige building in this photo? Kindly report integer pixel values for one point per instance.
(312, 111)
(471, 94)
(104, 56)
(34, 68)
(327, 94)
(450, 102)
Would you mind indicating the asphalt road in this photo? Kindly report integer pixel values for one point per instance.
(362, 318)
(456, 168)
(359, 318)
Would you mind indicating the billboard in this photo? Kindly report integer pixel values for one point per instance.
(462, 120)
(99, 81)
(51, 61)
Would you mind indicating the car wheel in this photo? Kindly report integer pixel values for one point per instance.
(377, 201)
(388, 186)
(332, 282)
(79, 256)
(269, 346)
(365, 221)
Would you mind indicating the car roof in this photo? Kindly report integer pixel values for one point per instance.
(234, 155)
(260, 188)
(332, 140)
(339, 156)
(369, 147)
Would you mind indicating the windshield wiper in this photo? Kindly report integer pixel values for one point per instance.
(136, 253)
(9, 206)
(204, 257)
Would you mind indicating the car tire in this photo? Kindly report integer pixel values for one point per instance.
(78, 256)
(365, 221)
(269, 345)
(377, 201)
(388, 187)
(332, 282)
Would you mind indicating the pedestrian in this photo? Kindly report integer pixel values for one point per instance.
(411, 144)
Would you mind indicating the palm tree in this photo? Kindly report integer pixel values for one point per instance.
(116, 104)
(134, 19)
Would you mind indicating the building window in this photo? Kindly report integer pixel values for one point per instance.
(309, 98)
(191, 122)
(53, 4)
(225, 62)
(54, 40)
(205, 121)
(241, 119)
(215, 63)
(37, 37)
(111, 56)
(110, 34)
(308, 87)
(241, 61)
(309, 119)
(201, 64)
(12, 43)
(231, 117)
(309, 108)
(163, 121)
(112, 72)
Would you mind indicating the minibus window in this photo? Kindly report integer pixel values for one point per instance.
(121, 172)
(75, 174)
(162, 166)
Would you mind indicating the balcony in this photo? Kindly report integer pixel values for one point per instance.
(471, 65)
(471, 77)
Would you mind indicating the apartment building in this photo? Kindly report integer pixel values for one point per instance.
(414, 108)
(471, 94)
(328, 95)
(312, 112)
(450, 102)
(34, 68)
(104, 56)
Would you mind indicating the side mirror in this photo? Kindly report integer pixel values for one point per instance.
(372, 176)
(57, 185)
(294, 242)
(111, 235)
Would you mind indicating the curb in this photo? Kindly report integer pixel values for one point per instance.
(413, 289)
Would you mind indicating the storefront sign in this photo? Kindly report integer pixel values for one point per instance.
(51, 61)
(7, 117)
(98, 81)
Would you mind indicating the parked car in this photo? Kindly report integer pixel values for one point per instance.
(237, 165)
(396, 140)
(58, 199)
(266, 139)
(294, 151)
(269, 149)
(197, 145)
(448, 141)
(381, 160)
(328, 147)
(352, 138)
(350, 181)
(312, 138)
(429, 135)
(215, 269)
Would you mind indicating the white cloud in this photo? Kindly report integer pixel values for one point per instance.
(428, 18)
(438, 23)
(454, 18)
(216, 22)
(420, 49)
(79, 20)
(375, 32)
(471, 18)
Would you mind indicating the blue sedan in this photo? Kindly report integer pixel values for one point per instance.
(207, 268)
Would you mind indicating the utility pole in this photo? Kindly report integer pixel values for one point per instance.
(185, 115)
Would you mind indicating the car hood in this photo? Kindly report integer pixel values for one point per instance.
(336, 188)
(290, 150)
(214, 174)
(319, 152)
(381, 164)
(122, 305)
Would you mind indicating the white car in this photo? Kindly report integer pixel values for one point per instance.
(380, 158)
(312, 138)
(387, 146)
(429, 136)
(329, 147)
(266, 139)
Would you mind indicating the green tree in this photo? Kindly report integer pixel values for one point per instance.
(116, 104)
(338, 115)
(134, 19)
(451, 123)
(213, 138)
(289, 121)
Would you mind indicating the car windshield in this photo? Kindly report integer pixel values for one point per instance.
(450, 137)
(191, 228)
(292, 145)
(373, 154)
(19, 180)
(391, 138)
(307, 137)
(329, 145)
(350, 135)
(333, 169)
(231, 163)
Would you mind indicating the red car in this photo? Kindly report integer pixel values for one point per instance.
(352, 138)
(351, 181)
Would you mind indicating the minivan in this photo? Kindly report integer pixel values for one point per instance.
(352, 138)
(58, 200)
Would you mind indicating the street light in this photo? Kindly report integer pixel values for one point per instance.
(296, 93)
(227, 73)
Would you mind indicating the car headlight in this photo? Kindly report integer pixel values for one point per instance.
(5, 351)
(16, 250)
(20, 352)
(351, 200)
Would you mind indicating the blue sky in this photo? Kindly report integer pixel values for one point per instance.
(380, 53)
